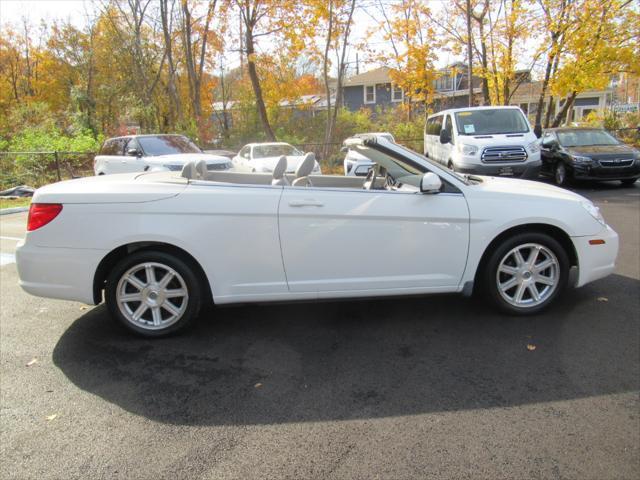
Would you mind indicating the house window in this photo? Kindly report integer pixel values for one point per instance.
(369, 94)
(397, 95)
(444, 82)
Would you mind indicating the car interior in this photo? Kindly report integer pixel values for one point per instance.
(379, 177)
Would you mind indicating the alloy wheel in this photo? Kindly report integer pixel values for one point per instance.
(528, 275)
(152, 296)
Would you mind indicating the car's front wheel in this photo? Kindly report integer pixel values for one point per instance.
(526, 273)
(153, 293)
(560, 174)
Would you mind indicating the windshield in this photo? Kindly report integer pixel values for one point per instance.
(491, 121)
(167, 145)
(582, 138)
(264, 151)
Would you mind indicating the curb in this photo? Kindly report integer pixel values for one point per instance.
(7, 211)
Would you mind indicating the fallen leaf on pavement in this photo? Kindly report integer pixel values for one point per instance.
(603, 299)
(530, 347)
(257, 385)
(84, 307)
(33, 361)
(52, 417)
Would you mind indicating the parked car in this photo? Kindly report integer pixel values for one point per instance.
(495, 141)
(263, 157)
(232, 237)
(140, 153)
(588, 154)
(356, 164)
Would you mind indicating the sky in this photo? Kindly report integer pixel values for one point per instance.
(13, 11)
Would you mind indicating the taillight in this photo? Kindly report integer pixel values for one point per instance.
(42, 213)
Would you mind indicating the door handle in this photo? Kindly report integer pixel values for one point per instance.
(305, 203)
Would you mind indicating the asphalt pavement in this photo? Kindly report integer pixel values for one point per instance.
(435, 387)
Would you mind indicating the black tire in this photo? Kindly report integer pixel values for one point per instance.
(627, 182)
(488, 277)
(560, 174)
(188, 276)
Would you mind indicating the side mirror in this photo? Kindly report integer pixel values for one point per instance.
(430, 183)
(133, 152)
(445, 137)
(537, 130)
(550, 145)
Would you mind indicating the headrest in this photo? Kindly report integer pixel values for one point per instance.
(201, 169)
(305, 167)
(189, 170)
(280, 168)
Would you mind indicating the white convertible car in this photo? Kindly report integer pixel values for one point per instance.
(160, 245)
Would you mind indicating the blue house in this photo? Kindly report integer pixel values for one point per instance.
(375, 89)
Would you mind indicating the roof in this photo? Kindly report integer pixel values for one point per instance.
(466, 109)
(377, 75)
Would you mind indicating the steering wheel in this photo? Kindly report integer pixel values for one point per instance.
(370, 180)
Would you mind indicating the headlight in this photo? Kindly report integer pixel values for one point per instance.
(534, 147)
(172, 167)
(580, 159)
(593, 211)
(467, 149)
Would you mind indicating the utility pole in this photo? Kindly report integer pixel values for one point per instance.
(469, 54)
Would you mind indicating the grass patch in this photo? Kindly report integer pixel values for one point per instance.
(14, 202)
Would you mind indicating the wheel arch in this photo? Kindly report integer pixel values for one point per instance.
(114, 256)
(553, 231)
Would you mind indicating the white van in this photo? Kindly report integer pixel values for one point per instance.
(484, 140)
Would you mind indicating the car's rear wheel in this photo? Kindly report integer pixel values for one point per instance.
(526, 273)
(627, 182)
(153, 293)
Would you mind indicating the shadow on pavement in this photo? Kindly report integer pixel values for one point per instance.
(361, 359)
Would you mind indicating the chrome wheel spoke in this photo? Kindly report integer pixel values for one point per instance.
(533, 256)
(543, 265)
(166, 280)
(520, 292)
(179, 292)
(508, 269)
(533, 291)
(519, 258)
(509, 284)
(544, 280)
(157, 316)
(139, 311)
(135, 281)
(171, 308)
(131, 297)
(151, 274)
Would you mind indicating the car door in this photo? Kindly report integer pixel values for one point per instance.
(351, 240)
(132, 162)
(446, 148)
(118, 161)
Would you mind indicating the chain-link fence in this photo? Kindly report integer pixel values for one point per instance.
(40, 168)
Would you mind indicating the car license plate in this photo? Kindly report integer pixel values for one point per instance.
(506, 171)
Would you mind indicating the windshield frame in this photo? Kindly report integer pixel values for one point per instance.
(517, 111)
(560, 133)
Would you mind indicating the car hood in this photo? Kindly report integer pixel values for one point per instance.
(519, 188)
(269, 163)
(603, 151)
(182, 158)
